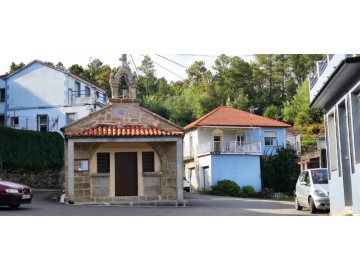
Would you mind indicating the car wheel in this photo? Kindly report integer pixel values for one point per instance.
(187, 189)
(297, 205)
(14, 206)
(312, 206)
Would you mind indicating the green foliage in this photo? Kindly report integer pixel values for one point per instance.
(14, 67)
(226, 188)
(279, 172)
(272, 112)
(249, 191)
(31, 150)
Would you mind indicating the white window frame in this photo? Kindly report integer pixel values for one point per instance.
(12, 119)
(272, 141)
(40, 125)
(240, 134)
(217, 133)
(67, 117)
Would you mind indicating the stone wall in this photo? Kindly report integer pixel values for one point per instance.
(152, 183)
(46, 179)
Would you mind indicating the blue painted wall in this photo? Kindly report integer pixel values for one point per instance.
(243, 169)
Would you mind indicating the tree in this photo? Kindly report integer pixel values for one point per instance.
(14, 67)
(279, 172)
(147, 79)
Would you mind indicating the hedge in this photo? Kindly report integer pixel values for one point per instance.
(30, 150)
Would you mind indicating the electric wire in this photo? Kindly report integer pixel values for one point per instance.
(137, 72)
(172, 61)
(166, 68)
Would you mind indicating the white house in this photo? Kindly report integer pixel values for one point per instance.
(227, 144)
(2, 101)
(336, 89)
(45, 98)
(292, 137)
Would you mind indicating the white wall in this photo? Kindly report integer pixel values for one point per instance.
(37, 86)
(42, 90)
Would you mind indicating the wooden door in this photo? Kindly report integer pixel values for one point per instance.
(126, 175)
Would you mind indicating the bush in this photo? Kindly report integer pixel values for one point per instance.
(249, 191)
(226, 188)
(280, 172)
(31, 150)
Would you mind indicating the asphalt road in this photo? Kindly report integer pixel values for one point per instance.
(44, 204)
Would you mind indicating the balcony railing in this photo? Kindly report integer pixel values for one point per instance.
(324, 70)
(229, 147)
(88, 97)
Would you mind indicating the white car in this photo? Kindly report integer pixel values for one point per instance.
(312, 190)
(186, 185)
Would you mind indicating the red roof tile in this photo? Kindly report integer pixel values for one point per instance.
(226, 116)
(103, 130)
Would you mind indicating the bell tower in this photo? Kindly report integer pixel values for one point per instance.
(124, 83)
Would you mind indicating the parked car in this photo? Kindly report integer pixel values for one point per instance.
(312, 190)
(186, 185)
(14, 194)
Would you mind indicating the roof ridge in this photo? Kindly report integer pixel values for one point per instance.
(192, 124)
(228, 116)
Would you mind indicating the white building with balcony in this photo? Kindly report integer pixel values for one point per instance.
(337, 91)
(227, 144)
(45, 98)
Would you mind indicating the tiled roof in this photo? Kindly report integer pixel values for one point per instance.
(292, 131)
(226, 116)
(123, 131)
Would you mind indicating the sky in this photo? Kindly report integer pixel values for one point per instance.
(74, 31)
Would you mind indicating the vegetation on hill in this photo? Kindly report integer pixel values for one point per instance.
(273, 85)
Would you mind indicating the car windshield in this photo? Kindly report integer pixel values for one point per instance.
(319, 176)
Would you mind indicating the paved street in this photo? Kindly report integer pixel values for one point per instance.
(197, 205)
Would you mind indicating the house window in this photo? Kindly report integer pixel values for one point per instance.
(15, 121)
(240, 137)
(42, 122)
(148, 162)
(70, 117)
(355, 102)
(103, 162)
(270, 138)
(77, 89)
(2, 120)
(2, 94)
(217, 138)
(87, 91)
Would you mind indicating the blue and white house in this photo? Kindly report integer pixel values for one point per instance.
(335, 88)
(227, 144)
(45, 98)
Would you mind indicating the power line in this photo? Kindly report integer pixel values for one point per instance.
(166, 69)
(134, 65)
(172, 61)
(213, 55)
